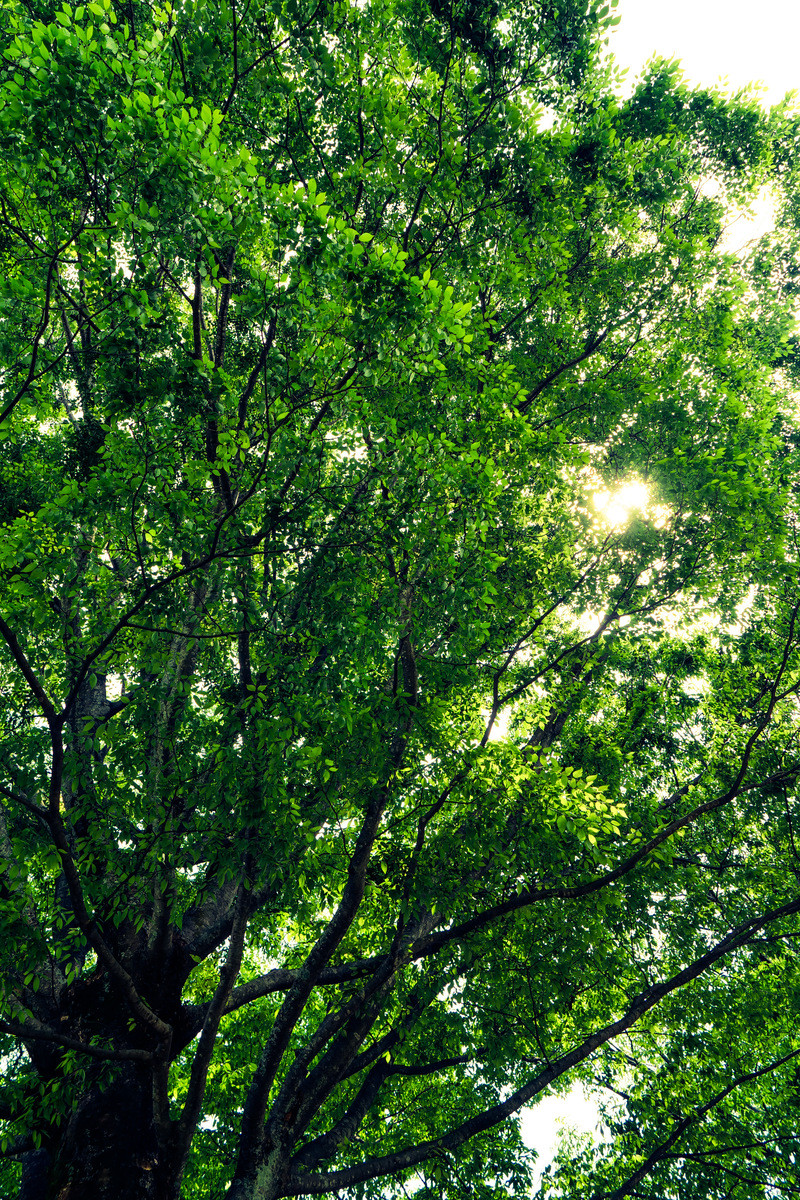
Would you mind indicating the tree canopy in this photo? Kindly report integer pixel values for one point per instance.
(399, 608)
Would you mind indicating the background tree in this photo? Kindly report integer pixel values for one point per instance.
(318, 344)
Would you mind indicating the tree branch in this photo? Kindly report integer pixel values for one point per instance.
(692, 1118)
(39, 1032)
(374, 1168)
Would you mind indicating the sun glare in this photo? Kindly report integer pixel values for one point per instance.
(616, 507)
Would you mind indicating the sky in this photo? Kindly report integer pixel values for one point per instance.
(739, 40)
(729, 42)
(716, 40)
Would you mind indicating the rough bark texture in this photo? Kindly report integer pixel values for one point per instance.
(109, 1149)
(35, 1175)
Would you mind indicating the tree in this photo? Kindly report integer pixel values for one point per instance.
(367, 771)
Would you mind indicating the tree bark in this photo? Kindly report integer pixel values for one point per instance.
(35, 1172)
(109, 1150)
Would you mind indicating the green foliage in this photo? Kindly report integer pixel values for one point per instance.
(365, 771)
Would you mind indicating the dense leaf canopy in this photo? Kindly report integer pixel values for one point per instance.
(399, 608)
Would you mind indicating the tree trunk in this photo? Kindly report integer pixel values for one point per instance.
(109, 1149)
(35, 1174)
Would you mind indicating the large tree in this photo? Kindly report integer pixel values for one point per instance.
(371, 763)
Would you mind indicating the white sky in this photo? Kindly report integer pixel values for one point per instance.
(740, 42)
(542, 1125)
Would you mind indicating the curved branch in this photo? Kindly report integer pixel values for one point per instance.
(435, 941)
(40, 332)
(257, 369)
(343, 1131)
(374, 1168)
(692, 1118)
